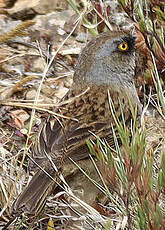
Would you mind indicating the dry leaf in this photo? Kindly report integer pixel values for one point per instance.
(18, 118)
(50, 225)
(23, 4)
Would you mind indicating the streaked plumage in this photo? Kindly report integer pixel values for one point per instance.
(102, 67)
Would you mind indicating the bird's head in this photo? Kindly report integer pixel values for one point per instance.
(109, 59)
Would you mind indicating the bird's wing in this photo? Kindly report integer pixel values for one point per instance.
(93, 116)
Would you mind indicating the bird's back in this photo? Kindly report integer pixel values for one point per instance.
(87, 111)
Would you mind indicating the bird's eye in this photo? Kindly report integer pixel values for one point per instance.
(123, 46)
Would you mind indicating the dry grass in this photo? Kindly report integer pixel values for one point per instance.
(65, 208)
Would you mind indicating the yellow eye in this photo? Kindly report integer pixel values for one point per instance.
(123, 46)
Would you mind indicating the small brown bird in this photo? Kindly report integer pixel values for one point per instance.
(107, 63)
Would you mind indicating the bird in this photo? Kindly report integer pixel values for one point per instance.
(105, 67)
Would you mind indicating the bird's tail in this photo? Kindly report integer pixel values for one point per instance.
(33, 198)
(50, 142)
